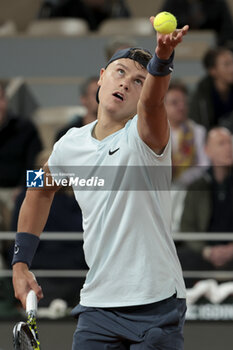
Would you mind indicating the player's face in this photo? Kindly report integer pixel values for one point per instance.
(219, 148)
(176, 106)
(121, 85)
(223, 69)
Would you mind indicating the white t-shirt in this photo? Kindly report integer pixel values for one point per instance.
(127, 233)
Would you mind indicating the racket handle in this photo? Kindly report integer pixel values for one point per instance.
(31, 302)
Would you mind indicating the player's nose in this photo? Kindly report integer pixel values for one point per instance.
(125, 84)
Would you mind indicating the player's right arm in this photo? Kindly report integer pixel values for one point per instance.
(153, 126)
(32, 219)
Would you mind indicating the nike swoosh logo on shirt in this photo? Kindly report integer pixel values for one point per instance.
(112, 152)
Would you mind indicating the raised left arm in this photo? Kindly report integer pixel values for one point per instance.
(152, 117)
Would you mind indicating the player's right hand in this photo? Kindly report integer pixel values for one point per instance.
(23, 281)
(166, 43)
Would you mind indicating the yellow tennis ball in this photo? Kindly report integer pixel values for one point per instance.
(165, 22)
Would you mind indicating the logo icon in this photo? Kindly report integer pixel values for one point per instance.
(112, 152)
(35, 178)
(16, 249)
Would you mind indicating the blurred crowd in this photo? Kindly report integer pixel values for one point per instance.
(92, 11)
(201, 121)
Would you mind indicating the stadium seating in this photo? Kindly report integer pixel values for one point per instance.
(60, 27)
(50, 120)
(129, 26)
(8, 28)
(195, 46)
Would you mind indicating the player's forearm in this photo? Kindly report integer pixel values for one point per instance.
(34, 211)
(153, 93)
(152, 122)
(32, 218)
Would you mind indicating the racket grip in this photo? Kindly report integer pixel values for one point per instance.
(31, 302)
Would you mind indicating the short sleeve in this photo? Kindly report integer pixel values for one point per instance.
(55, 162)
(144, 150)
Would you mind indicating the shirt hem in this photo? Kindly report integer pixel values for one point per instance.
(129, 303)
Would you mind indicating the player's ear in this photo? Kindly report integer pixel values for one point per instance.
(101, 76)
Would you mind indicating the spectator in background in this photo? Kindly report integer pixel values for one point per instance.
(4, 217)
(188, 137)
(93, 11)
(9, 307)
(88, 92)
(4, 226)
(204, 14)
(8, 304)
(19, 145)
(209, 207)
(21, 100)
(212, 101)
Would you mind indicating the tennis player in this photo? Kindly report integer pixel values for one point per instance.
(134, 294)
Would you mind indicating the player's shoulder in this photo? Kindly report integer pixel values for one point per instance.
(81, 130)
(75, 135)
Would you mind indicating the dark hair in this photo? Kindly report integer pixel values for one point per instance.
(210, 57)
(178, 85)
(85, 85)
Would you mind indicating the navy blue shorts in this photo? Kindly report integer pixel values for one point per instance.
(153, 326)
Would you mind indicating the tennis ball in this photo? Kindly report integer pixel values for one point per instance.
(165, 23)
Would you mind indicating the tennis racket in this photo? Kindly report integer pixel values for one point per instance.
(25, 335)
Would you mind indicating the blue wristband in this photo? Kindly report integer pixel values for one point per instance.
(25, 248)
(159, 67)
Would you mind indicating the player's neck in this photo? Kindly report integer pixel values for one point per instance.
(106, 126)
(102, 130)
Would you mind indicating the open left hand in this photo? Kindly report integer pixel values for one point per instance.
(166, 43)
